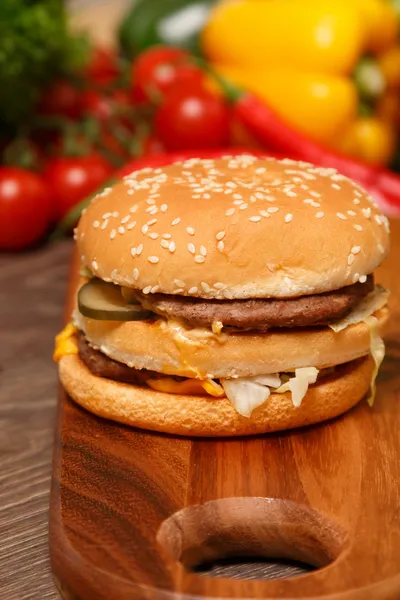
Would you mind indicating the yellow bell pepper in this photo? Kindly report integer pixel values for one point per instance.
(370, 139)
(323, 36)
(389, 63)
(321, 105)
(313, 61)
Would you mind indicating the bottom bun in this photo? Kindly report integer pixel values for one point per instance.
(204, 416)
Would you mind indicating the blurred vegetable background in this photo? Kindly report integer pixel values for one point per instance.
(316, 80)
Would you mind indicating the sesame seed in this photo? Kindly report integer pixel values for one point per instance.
(139, 250)
(193, 290)
(315, 204)
(264, 213)
(230, 212)
(220, 235)
(219, 285)
(351, 258)
(96, 224)
(358, 227)
(227, 294)
(125, 219)
(231, 184)
(221, 246)
(104, 224)
(308, 201)
(191, 248)
(135, 273)
(205, 287)
(147, 289)
(153, 259)
(115, 214)
(272, 209)
(255, 219)
(172, 247)
(164, 244)
(291, 194)
(121, 230)
(133, 208)
(176, 221)
(288, 218)
(179, 283)
(131, 225)
(145, 228)
(237, 196)
(363, 279)
(107, 215)
(261, 170)
(351, 213)
(152, 222)
(203, 251)
(167, 236)
(270, 198)
(133, 252)
(356, 249)
(320, 214)
(190, 230)
(357, 193)
(356, 201)
(155, 289)
(153, 235)
(336, 186)
(95, 266)
(164, 208)
(356, 277)
(366, 212)
(113, 234)
(206, 196)
(243, 206)
(199, 258)
(259, 195)
(341, 216)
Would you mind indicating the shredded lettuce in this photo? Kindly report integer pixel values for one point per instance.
(299, 384)
(368, 306)
(245, 395)
(377, 352)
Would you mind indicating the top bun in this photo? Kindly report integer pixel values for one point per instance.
(236, 227)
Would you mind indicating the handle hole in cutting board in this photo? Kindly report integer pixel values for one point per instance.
(258, 528)
(253, 567)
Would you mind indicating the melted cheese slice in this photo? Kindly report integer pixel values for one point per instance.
(65, 343)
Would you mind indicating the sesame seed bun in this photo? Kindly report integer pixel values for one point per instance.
(240, 227)
(203, 416)
(169, 349)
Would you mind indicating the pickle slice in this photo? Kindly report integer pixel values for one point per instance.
(104, 302)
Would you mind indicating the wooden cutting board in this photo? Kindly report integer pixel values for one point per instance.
(132, 511)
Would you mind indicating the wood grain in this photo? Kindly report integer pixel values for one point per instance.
(132, 511)
(32, 298)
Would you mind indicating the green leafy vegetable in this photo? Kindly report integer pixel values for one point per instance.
(35, 47)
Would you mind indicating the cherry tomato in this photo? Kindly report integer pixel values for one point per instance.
(72, 179)
(25, 208)
(193, 119)
(152, 146)
(161, 69)
(61, 98)
(103, 66)
(97, 105)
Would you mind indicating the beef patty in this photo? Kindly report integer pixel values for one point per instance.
(103, 366)
(261, 314)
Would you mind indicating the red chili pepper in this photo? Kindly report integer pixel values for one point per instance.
(268, 128)
(271, 130)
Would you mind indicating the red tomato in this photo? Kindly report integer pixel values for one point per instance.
(160, 69)
(193, 119)
(103, 66)
(72, 179)
(61, 98)
(152, 146)
(97, 105)
(25, 208)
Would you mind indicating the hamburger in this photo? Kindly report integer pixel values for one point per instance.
(227, 297)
